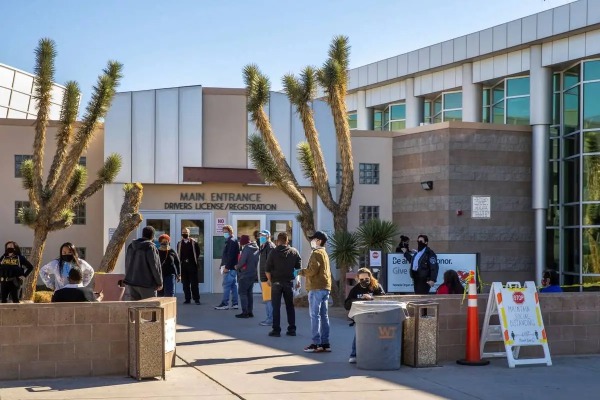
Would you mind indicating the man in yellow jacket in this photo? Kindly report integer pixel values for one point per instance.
(318, 285)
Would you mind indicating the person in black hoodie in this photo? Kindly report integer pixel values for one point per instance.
(366, 289)
(280, 276)
(246, 269)
(13, 268)
(169, 265)
(143, 275)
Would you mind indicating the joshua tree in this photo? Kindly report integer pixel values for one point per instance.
(51, 203)
(266, 152)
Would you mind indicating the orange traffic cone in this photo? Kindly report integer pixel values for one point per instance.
(472, 351)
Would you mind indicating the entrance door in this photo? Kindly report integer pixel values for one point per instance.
(246, 224)
(284, 223)
(199, 231)
(162, 223)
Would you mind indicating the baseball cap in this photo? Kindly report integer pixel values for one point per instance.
(265, 233)
(319, 235)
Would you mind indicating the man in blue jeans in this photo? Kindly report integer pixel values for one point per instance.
(318, 285)
(229, 260)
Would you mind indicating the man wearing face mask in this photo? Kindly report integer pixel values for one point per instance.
(318, 285)
(423, 266)
(231, 252)
(188, 251)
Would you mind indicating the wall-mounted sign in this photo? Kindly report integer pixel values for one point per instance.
(220, 201)
(481, 207)
(220, 222)
(375, 258)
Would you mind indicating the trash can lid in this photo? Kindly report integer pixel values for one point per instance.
(361, 307)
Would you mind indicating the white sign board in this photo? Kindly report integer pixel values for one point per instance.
(169, 335)
(481, 207)
(375, 258)
(220, 223)
(521, 323)
(398, 274)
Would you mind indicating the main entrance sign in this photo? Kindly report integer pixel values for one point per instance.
(225, 201)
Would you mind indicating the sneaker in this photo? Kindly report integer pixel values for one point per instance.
(326, 347)
(235, 307)
(291, 333)
(187, 302)
(242, 315)
(313, 348)
(275, 333)
(250, 315)
(266, 323)
(197, 302)
(352, 360)
(222, 307)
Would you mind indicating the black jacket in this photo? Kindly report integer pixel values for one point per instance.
(357, 292)
(428, 265)
(142, 265)
(282, 262)
(265, 249)
(70, 294)
(246, 267)
(14, 267)
(231, 252)
(169, 262)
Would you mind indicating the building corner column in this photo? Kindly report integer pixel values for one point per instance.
(540, 91)
(364, 114)
(414, 105)
(471, 96)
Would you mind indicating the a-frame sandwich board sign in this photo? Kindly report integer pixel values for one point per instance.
(521, 323)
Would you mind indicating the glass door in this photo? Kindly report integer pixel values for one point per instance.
(246, 224)
(162, 223)
(198, 226)
(285, 223)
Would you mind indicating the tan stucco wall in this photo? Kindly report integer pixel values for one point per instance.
(17, 137)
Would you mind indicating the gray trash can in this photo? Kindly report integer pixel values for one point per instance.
(378, 334)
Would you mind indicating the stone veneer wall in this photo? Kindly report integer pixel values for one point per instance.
(464, 159)
(69, 339)
(571, 320)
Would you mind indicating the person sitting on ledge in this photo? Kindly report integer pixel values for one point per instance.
(74, 291)
(550, 282)
(452, 284)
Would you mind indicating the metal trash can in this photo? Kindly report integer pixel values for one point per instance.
(378, 334)
(146, 332)
(421, 335)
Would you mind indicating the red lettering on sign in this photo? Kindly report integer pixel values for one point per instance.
(518, 297)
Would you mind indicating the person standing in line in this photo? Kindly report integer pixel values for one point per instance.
(169, 265)
(231, 253)
(13, 268)
(365, 290)
(266, 246)
(318, 285)
(55, 274)
(143, 275)
(423, 265)
(282, 262)
(246, 269)
(188, 251)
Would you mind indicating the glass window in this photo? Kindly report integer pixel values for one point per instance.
(498, 93)
(556, 83)
(517, 87)
(498, 113)
(18, 206)
(517, 111)
(397, 125)
(19, 159)
(554, 149)
(571, 145)
(591, 70)
(571, 215)
(571, 110)
(591, 142)
(377, 120)
(386, 118)
(437, 106)
(452, 100)
(591, 214)
(553, 216)
(454, 115)
(553, 247)
(571, 237)
(571, 77)
(338, 173)
(83, 161)
(554, 183)
(368, 174)
(591, 105)
(591, 178)
(26, 252)
(485, 97)
(82, 252)
(556, 109)
(398, 111)
(571, 180)
(352, 121)
(367, 213)
(591, 250)
(427, 111)
(80, 213)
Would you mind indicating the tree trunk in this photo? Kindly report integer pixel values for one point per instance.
(40, 234)
(340, 220)
(129, 219)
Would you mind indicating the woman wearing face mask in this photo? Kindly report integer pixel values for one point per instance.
(55, 274)
(12, 272)
(366, 289)
(169, 262)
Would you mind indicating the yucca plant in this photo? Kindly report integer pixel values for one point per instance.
(377, 234)
(344, 250)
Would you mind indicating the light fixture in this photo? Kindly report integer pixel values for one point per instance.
(427, 185)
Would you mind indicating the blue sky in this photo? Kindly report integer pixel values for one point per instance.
(207, 42)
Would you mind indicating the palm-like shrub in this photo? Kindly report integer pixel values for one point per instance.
(377, 234)
(344, 250)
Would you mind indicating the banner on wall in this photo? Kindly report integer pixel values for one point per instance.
(398, 275)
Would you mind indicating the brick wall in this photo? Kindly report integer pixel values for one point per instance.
(68, 339)
(571, 320)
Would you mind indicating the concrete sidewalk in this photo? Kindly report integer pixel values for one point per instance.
(222, 357)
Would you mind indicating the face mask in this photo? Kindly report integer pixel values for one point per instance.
(164, 245)
(226, 235)
(314, 243)
(10, 251)
(365, 282)
(67, 257)
(262, 240)
(421, 246)
(185, 235)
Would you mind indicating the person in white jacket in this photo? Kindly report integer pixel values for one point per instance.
(55, 274)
